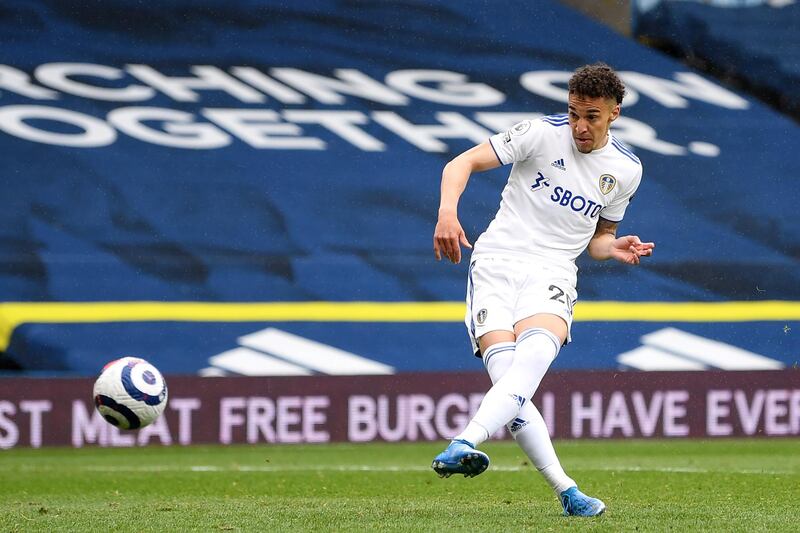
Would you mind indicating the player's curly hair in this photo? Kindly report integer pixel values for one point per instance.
(597, 80)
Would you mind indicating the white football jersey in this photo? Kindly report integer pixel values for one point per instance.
(555, 194)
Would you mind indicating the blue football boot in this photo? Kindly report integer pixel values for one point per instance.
(460, 457)
(576, 503)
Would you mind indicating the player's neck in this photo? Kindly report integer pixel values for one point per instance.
(604, 143)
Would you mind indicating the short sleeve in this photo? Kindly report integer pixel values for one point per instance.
(615, 211)
(518, 143)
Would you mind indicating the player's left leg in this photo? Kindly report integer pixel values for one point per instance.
(576, 503)
(530, 432)
(528, 428)
(535, 439)
(532, 435)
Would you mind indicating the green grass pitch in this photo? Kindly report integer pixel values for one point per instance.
(663, 485)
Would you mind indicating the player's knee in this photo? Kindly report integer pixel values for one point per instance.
(535, 344)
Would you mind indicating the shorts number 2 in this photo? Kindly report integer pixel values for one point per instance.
(559, 294)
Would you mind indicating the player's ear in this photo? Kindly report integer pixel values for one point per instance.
(615, 112)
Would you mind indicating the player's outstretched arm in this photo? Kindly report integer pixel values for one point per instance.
(606, 245)
(449, 236)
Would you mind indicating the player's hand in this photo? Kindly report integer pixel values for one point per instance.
(448, 237)
(629, 249)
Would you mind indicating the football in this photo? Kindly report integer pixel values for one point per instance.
(130, 393)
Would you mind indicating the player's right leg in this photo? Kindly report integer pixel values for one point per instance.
(490, 296)
(530, 358)
(460, 457)
(535, 349)
(491, 306)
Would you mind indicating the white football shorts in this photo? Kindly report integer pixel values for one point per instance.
(503, 291)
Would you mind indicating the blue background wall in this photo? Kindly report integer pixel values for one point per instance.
(133, 220)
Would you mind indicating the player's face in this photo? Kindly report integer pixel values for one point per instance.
(590, 119)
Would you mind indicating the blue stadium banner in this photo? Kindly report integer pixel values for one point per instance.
(175, 175)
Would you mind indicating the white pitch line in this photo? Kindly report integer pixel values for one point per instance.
(391, 468)
(691, 470)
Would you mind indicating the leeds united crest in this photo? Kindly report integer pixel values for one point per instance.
(607, 182)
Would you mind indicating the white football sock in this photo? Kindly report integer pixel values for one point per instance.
(529, 428)
(531, 434)
(534, 351)
(475, 433)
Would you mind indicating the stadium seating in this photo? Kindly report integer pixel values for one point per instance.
(243, 153)
(756, 42)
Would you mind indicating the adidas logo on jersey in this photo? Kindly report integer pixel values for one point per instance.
(559, 164)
